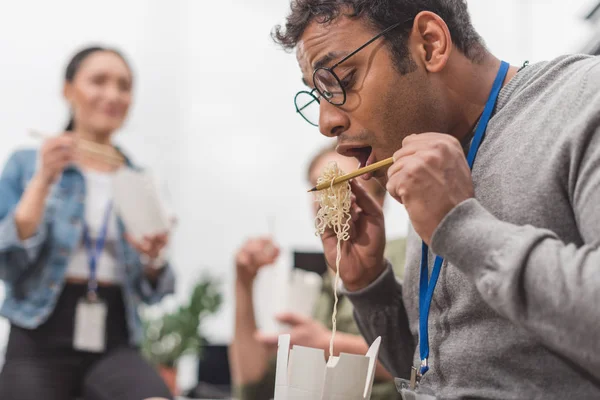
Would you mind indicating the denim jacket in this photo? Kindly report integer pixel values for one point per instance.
(34, 270)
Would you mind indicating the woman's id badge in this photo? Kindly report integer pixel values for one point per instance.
(90, 326)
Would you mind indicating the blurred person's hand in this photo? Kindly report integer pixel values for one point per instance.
(252, 256)
(150, 248)
(362, 254)
(303, 331)
(56, 154)
(150, 245)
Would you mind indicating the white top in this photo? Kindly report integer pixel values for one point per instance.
(97, 198)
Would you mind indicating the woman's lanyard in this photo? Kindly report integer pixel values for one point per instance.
(426, 286)
(95, 251)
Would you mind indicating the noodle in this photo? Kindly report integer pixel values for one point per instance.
(334, 213)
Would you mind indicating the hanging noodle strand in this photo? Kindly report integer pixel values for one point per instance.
(334, 213)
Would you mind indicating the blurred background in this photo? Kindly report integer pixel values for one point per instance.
(213, 109)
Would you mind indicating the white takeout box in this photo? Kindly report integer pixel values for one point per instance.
(278, 290)
(139, 204)
(302, 373)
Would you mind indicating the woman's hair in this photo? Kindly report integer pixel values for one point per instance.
(75, 64)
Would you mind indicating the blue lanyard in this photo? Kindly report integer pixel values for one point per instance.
(426, 286)
(94, 252)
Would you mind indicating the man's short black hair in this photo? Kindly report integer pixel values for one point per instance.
(381, 14)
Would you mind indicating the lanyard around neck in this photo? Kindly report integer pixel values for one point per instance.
(426, 286)
(95, 251)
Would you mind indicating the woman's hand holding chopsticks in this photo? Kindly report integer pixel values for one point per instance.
(55, 155)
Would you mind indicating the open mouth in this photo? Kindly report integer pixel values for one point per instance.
(364, 155)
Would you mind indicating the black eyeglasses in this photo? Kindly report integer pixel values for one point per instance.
(328, 86)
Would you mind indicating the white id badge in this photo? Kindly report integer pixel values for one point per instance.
(90, 326)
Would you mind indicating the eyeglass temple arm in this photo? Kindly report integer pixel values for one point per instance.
(368, 43)
(307, 104)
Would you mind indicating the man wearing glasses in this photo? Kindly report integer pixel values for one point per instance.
(499, 170)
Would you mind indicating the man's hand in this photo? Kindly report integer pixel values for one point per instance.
(430, 176)
(362, 255)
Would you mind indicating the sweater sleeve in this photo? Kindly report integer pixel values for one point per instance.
(14, 252)
(531, 277)
(379, 311)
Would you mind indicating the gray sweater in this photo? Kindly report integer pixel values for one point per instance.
(516, 312)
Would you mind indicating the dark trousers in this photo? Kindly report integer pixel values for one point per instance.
(42, 364)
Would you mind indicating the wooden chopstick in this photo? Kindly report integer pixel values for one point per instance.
(95, 150)
(101, 152)
(358, 172)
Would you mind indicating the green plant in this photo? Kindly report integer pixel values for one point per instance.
(175, 334)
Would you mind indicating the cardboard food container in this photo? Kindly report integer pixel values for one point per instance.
(303, 374)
